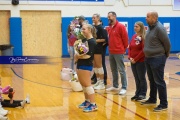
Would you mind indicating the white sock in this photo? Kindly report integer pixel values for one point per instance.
(93, 103)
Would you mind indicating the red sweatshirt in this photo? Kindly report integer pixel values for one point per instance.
(72, 38)
(118, 38)
(135, 50)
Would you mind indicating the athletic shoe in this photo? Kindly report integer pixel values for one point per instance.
(90, 108)
(84, 104)
(100, 86)
(2, 109)
(96, 84)
(159, 108)
(23, 103)
(122, 92)
(27, 99)
(3, 113)
(3, 118)
(112, 89)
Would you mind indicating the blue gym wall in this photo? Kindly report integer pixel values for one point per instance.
(16, 31)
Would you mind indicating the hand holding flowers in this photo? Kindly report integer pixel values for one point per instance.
(81, 49)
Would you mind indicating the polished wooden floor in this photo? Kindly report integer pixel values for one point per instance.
(53, 99)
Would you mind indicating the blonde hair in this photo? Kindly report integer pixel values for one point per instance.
(92, 29)
(142, 30)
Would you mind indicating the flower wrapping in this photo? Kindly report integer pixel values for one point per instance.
(76, 86)
(66, 74)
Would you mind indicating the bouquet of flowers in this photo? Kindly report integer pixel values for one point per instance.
(138, 40)
(77, 30)
(80, 47)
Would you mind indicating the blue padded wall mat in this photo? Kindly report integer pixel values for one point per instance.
(16, 35)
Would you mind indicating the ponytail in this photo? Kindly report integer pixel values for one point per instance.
(93, 30)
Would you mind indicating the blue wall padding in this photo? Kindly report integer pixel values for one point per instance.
(16, 35)
(174, 29)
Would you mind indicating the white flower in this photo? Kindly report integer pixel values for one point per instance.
(138, 38)
(76, 30)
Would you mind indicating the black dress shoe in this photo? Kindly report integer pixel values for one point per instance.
(148, 102)
(134, 98)
(140, 98)
(160, 108)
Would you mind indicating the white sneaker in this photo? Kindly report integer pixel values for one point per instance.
(3, 118)
(23, 103)
(27, 99)
(2, 109)
(112, 89)
(96, 84)
(122, 92)
(3, 113)
(100, 86)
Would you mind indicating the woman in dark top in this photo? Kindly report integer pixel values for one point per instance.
(136, 57)
(98, 69)
(84, 68)
(105, 44)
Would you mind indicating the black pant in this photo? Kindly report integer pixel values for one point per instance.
(6, 103)
(155, 70)
(139, 72)
(103, 65)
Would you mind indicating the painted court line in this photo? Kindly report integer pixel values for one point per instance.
(124, 107)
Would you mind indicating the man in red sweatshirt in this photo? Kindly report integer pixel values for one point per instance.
(118, 42)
